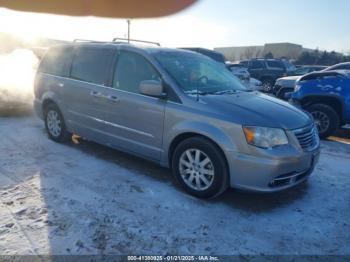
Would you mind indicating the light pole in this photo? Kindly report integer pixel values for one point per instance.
(128, 21)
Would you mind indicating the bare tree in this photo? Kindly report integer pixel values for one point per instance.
(258, 52)
(251, 52)
(293, 53)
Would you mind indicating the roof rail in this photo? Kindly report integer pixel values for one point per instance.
(90, 41)
(117, 39)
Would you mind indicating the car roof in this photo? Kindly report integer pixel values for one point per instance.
(118, 45)
(345, 73)
(340, 64)
(267, 59)
(313, 66)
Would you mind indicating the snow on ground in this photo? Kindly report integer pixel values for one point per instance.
(88, 199)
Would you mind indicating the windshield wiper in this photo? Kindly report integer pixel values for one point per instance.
(197, 92)
(228, 91)
(203, 93)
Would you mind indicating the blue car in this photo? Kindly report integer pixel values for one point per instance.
(326, 95)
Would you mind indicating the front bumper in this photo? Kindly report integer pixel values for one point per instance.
(264, 174)
(276, 88)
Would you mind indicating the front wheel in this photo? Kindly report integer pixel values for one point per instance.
(267, 85)
(326, 119)
(200, 167)
(281, 93)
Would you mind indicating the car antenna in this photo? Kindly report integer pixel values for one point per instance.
(197, 94)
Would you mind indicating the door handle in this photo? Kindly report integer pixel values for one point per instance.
(112, 98)
(95, 93)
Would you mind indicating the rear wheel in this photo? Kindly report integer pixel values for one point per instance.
(326, 119)
(200, 167)
(55, 125)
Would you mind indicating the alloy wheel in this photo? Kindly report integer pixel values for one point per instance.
(321, 120)
(54, 123)
(196, 169)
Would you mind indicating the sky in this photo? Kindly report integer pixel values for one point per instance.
(323, 24)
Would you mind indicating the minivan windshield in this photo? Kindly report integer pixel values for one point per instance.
(198, 74)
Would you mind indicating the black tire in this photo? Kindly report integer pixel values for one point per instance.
(220, 170)
(281, 93)
(63, 135)
(321, 113)
(276, 89)
(267, 85)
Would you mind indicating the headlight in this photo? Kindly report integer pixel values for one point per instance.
(265, 137)
(297, 88)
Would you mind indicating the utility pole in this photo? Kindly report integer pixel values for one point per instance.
(128, 21)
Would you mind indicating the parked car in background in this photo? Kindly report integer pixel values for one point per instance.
(290, 68)
(243, 74)
(240, 72)
(286, 84)
(255, 84)
(179, 109)
(340, 66)
(326, 95)
(217, 56)
(268, 70)
(237, 70)
(305, 69)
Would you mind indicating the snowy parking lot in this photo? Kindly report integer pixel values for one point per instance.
(83, 198)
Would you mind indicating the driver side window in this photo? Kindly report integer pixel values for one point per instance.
(208, 74)
(130, 70)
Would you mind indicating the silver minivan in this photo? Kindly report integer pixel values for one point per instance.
(179, 109)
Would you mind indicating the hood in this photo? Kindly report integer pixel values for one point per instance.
(257, 109)
(294, 78)
(255, 81)
(288, 81)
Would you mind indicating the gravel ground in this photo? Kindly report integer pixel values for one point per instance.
(83, 198)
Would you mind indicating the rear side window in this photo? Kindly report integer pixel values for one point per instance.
(92, 65)
(275, 64)
(256, 65)
(244, 63)
(56, 61)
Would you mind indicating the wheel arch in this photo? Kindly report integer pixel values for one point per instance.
(48, 97)
(333, 101)
(47, 102)
(181, 137)
(211, 133)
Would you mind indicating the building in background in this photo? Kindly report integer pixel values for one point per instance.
(278, 50)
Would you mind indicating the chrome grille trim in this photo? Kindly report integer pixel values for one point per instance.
(307, 137)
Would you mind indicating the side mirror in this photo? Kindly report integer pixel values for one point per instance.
(152, 88)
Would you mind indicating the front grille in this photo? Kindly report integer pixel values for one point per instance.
(276, 88)
(307, 137)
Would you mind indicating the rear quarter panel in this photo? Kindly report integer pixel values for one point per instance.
(47, 87)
